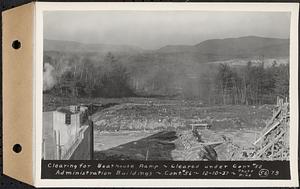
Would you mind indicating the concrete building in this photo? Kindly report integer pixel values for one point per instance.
(67, 134)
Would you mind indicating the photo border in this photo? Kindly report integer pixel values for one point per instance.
(145, 6)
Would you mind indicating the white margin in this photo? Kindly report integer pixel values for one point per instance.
(34, 84)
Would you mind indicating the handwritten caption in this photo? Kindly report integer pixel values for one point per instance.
(161, 169)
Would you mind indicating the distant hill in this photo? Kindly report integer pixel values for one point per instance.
(169, 68)
(178, 60)
(232, 48)
(245, 47)
(177, 49)
(71, 46)
(206, 51)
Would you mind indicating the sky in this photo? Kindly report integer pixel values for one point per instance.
(155, 29)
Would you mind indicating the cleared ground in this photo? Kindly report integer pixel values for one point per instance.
(140, 145)
(155, 129)
(160, 129)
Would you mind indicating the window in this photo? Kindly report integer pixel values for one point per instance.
(68, 119)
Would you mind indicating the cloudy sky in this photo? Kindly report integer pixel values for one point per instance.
(154, 29)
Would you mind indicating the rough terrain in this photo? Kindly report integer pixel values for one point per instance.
(161, 130)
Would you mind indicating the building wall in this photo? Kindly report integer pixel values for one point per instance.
(67, 134)
(56, 130)
(49, 143)
(84, 151)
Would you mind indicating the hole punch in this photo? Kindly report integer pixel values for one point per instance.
(17, 148)
(16, 44)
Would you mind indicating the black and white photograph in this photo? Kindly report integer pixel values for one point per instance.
(151, 94)
(166, 85)
(167, 91)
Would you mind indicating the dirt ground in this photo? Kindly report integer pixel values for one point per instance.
(134, 130)
(151, 145)
(161, 129)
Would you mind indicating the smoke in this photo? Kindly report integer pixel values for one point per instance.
(48, 77)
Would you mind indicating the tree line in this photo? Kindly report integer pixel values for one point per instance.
(250, 84)
(82, 76)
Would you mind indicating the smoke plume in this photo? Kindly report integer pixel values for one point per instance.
(48, 77)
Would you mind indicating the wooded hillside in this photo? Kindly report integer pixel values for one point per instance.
(173, 71)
